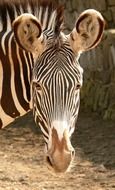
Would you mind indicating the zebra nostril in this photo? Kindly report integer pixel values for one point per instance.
(73, 153)
(49, 161)
(78, 86)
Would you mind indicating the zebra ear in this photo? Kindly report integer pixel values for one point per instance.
(27, 32)
(88, 31)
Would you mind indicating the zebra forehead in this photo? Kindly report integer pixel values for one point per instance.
(48, 71)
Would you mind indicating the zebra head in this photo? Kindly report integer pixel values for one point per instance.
(57, 78)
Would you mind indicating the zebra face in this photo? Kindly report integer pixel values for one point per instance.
(57, 78)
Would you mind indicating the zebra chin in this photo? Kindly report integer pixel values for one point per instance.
(60, 153)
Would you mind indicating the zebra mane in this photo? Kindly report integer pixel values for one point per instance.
(49, 14)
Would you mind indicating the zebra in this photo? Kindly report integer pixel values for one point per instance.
(39, 70)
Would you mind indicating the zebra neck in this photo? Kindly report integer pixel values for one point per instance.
(15, 78)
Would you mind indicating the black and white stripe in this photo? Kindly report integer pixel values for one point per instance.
(55, 97)
(16, 64)
(48, 79)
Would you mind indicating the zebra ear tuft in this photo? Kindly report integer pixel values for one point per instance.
(88, 31)
(27, 32)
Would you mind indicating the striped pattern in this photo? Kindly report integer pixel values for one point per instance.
(15, 73)
(15, 64)
(49, 79)
(55, 95)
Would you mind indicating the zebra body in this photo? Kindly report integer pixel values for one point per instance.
(16, 64)
(14, 87)
(44, 73)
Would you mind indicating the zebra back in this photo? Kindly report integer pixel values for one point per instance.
(48, 13)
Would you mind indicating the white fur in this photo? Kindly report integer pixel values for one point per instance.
(60, 127)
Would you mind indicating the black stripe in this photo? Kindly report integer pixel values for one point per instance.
(38, 121)
(1, 124)
(17, 79)
(29, 62)
(7, 102)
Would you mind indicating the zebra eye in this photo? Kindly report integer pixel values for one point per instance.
(37, 86)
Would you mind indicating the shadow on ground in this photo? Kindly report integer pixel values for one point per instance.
(96, 139)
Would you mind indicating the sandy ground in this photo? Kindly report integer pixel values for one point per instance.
(22, 165)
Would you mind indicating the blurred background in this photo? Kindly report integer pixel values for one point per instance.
(98, 92)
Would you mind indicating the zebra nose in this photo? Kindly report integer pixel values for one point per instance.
(59, 163)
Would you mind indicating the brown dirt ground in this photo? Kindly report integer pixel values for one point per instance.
(22, 165)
